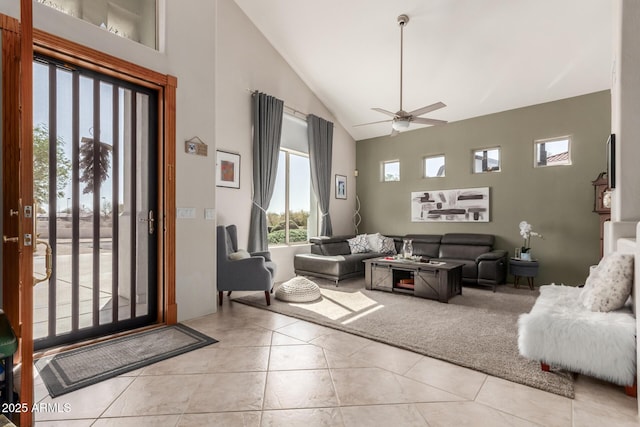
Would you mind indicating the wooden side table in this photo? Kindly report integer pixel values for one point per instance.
(520, 268)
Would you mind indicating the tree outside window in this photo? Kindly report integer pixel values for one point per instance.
(391, 171)
(41, 166)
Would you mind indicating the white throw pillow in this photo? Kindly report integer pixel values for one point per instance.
(359, 244)
(594, 276)
(241, 254)
(387, 246)
(609, 285)
(374, 242)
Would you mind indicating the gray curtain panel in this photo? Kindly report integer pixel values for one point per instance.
(267, 127)
(320, 134)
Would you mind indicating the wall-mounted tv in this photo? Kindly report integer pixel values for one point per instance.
(611, 160)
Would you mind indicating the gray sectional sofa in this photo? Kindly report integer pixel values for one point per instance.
(331, 257)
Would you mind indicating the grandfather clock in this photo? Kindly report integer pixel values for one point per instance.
(602, 203)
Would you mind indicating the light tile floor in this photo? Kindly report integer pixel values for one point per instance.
(273, 370)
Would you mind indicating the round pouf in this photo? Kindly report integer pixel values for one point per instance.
(298, 289)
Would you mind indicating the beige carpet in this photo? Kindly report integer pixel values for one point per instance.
(477, 329)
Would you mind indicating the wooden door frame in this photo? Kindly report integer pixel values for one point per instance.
(20, 40)
(75, 54)
(17, 141)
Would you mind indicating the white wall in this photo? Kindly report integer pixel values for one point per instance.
(625, 110)
(211, 42)
(246, 61)
(190, 56)
(190, 51)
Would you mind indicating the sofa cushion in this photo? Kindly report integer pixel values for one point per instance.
(325, 265)
(374, 242)
(469, 239)
(469, 267)
(386, 246)
(588, 284)
(331, 246)
(462, 251)
(425, 245)
(338, 248)
(240, 254)
(333, 266)
(359, 244)
(609, 285)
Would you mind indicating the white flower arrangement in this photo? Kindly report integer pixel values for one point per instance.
(526, 231)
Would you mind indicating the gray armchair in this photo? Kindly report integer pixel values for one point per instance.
(252, 272)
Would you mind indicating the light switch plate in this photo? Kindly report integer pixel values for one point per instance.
(186, 213)
(209, 213)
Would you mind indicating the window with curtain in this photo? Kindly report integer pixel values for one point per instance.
(292, 214)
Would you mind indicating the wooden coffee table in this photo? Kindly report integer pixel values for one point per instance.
(433, 280)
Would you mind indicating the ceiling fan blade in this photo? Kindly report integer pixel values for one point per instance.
(373, 123)
(427, 109)
(426, 121)
(388, 113)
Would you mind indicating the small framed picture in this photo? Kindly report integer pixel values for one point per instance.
(341, 187)
(227, 169)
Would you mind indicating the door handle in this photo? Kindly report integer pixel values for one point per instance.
(12, 212)
(48, 261)
(150, 221)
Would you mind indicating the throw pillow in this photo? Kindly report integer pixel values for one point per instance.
(241, 254)
(374, 241)
(610, 288)
(359, 244)
(387, 246)
(594, 276)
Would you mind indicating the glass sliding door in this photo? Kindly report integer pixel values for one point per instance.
(95, 156)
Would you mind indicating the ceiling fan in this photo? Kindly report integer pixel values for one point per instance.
(401, 119)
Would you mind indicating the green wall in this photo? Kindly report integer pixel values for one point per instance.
(557, 201)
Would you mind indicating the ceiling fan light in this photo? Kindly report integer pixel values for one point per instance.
(400, 124)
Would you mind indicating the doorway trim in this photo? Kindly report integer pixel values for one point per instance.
(76, 54)
(22, 45)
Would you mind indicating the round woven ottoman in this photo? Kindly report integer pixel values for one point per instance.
(298, 289)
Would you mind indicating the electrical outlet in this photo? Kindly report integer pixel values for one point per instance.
(209, 213)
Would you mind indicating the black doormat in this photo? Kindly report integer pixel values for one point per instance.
(84, 366)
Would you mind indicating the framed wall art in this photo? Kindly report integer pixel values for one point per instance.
(461, 205)
(227, 169)
(341, 187)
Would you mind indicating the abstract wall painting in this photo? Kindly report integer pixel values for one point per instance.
(461, 205)
(227, 169)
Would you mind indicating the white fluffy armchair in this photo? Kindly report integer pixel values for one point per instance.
(561, 331)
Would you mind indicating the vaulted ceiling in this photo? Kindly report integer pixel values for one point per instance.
(477, 56)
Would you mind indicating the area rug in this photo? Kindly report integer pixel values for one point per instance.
(84, 366)
(477, 329)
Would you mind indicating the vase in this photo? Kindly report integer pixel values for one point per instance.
(407, 248)
(525, 256)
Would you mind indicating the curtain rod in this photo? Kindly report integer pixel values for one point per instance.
(291, 109)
